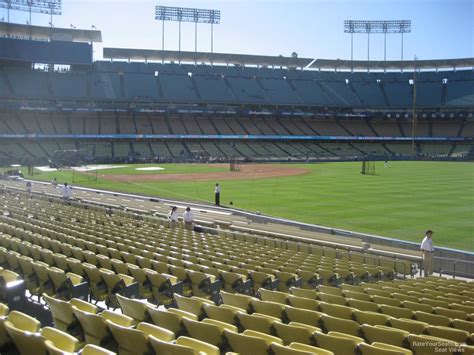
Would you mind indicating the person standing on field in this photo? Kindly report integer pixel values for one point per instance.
(217, 194)
(188, 219)
(427, 249)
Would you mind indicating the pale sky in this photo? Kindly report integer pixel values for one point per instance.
(311, 28)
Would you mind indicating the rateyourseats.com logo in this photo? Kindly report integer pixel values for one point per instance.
(439, 347)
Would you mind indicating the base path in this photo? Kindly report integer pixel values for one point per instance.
(247, 171)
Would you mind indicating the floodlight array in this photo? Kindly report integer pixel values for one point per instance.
(397, 26)
(52, 7)
(184, 14)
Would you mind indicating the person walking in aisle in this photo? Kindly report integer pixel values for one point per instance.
(173, 217)
(427, 249)
(217, 194)
(66, 191)
(188, 219)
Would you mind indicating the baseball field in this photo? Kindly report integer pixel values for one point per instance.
(400, 201)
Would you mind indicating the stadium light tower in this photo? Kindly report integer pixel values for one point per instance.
(356, 26)
(184, 14)
(51, 7)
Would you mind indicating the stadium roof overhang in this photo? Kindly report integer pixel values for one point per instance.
(280, 61)
(49, 33)
(204, 57)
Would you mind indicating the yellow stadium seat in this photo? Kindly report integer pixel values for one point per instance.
(433, 319)
(269, 308)
(235, 282)
(136, 309)
(309, 279)
(363, 305)
(371, 318)
(336, 310)
(171, 319)
(385, 334)
(90, 349)
(204, 285)
(287, 280)
(451, 313)
(310, 349)
(58, 342)
(63, 316)
(357, 295)
(97, 286)
(210, 331)
(329, 290)
(303, 316)
(418, 307)
(428, 345)
(340, 325)
(300, 292)
(26, 342)
(41, 271)
(183, 346)
(330, 298)
(410, 325)
(397, 312)
(162, 286)
(263, 280)
(382, 349)
(278, 349)
(256, 321)
(29, 276)
(193, 305)
(223, 313)
(468, 326)
(4, 338)
(302, 302)
(118, 284)
(386, 300)
(140, 276)
(242, 343)
(238, 300)
(457, 335)
(67, 285)
(273, 296)
(135, 341)
(336, 344)
(292, 333)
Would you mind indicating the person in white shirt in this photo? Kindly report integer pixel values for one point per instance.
(54, 182)
(188, 219)
(427, 249)
(217, 194)
(173, 217)
(66, 191)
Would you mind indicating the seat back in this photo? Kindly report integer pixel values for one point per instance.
(244, 344)
(130, 341)
(26, 342)
(136, 309)
(62, 313)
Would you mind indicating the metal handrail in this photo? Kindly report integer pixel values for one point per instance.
(453, 271)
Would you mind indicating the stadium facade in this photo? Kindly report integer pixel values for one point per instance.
(143, 105)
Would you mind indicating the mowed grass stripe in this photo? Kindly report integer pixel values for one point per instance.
(401, 201)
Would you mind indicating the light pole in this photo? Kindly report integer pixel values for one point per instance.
(184, 14)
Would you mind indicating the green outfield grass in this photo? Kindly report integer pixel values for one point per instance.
(401, 201)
